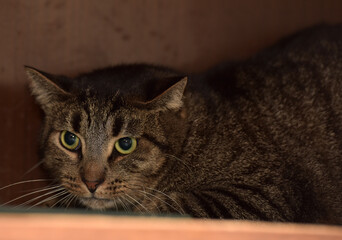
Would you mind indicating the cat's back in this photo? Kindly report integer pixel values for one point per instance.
(276, 121)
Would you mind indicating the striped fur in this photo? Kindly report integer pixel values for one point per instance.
(258, 140)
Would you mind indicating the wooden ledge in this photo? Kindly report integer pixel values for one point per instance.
(39, 226)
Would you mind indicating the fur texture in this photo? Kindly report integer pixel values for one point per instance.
(259, 140)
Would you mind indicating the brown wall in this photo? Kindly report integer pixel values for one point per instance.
(70, 36)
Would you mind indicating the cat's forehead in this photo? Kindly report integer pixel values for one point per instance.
(89, 112)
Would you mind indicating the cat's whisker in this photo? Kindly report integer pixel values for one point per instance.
(180, 210)
(33, 168)
(132, 204)
(180, 160)
(139, 204)
(60, 200)
(29, 194)
(38, 197)
(151, 200)
(67, 202)
(49, 199)
(166, 195)
(52, 184)
(123, 205)
(71, 200)
(26, 181)
(155, 196)
(116, 206)
(65, 199)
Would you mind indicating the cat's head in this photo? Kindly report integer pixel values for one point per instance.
(107, 134)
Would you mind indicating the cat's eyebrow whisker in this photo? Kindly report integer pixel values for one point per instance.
(26, 181)
(31, 193)
(32, 168)
(56, 195)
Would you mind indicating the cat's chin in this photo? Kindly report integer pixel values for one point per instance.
(98, 204)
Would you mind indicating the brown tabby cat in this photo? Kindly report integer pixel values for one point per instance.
(259, 140)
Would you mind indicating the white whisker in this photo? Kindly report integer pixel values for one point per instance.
(71, 200)
(60, 200)
(181, 209)
(151, 200)
(153, 195)
(123, 205)
(38, 197)
(49, 199)
(22, 182)
(138, 203)
(28, 194)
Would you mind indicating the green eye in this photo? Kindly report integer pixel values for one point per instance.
(70, 141)
(126, 145)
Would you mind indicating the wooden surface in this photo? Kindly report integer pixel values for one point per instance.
(71, 36)
(53, 227)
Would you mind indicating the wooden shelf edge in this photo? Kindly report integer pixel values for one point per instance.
(38, 226)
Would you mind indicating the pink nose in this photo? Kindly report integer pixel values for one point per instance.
(92, 185)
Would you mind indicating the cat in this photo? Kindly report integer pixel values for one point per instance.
(259, 139)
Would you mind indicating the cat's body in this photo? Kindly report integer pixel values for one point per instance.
(257, 140)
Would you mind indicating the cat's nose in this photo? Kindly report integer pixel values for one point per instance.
(92, 185)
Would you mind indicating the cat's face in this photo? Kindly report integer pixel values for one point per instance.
(103, 147)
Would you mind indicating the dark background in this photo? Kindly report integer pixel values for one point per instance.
(73, 36)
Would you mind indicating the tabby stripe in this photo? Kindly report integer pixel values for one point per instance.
(156, 142)
(133, 125)
(76, 122)
(116, 104)
(133, 168)
(163, 168)
(241, 203)
(223, 210)
(206, 205)
(259, 192)
(87, 111)
(118, 124)
(188, 209)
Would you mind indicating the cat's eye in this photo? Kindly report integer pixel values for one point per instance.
(126, 145)
(70, 141)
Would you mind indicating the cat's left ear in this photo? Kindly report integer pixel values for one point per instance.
(170, 99)
(46, 88)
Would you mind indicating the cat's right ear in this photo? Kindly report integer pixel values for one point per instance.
(45, 88)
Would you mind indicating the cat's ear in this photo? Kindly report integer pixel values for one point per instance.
(45, 88)
(169, 99)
